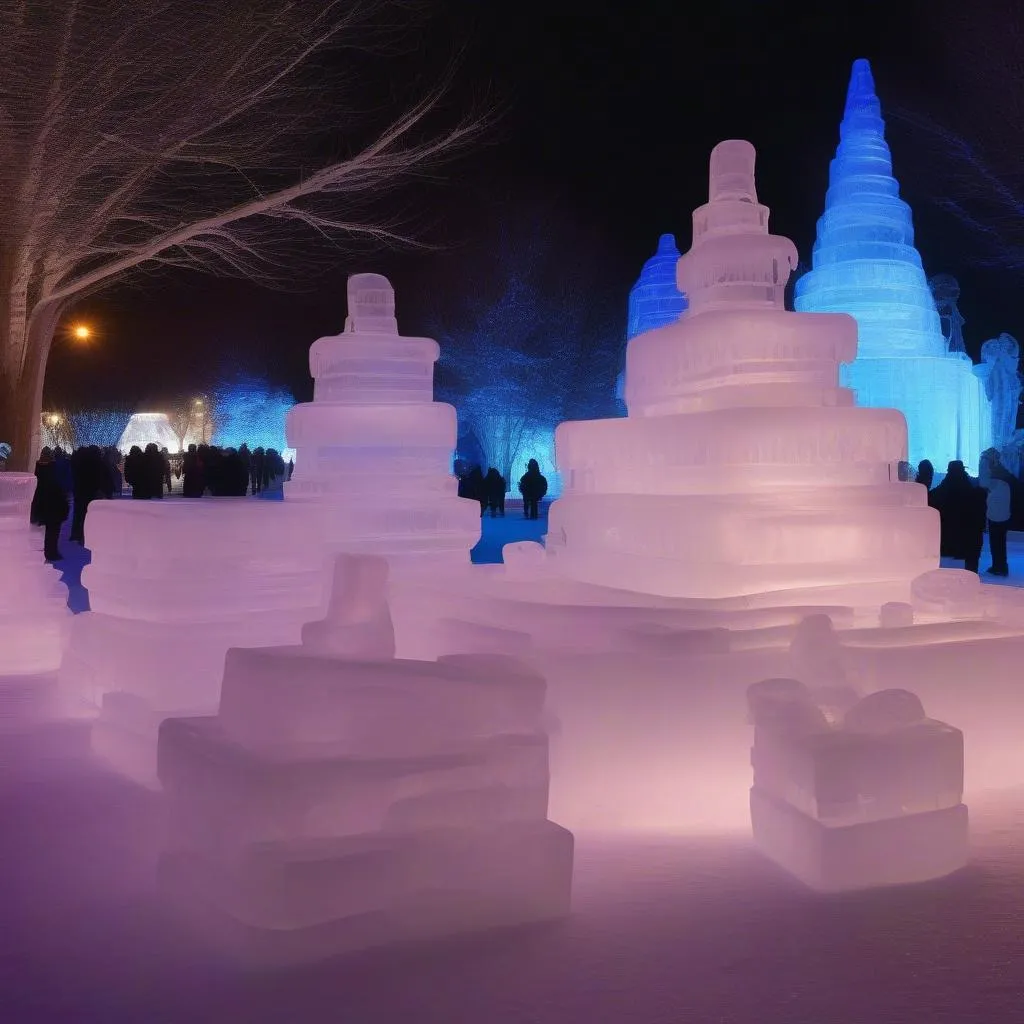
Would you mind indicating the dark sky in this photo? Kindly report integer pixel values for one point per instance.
(609, 111)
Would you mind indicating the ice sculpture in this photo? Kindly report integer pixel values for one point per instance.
(1000, 373)
(865, 264)
(153, 428)
(34, 616)
(346, 800)
(868, 797)
(172, 586)
(373, 449)
(945, 291)
(743, 468)
(655, 300)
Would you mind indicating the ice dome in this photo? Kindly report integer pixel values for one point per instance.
(151, 428)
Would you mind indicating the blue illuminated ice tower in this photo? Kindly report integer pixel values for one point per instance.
(655, 300)
(865, 264)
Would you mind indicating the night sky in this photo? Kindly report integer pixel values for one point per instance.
(608, 113)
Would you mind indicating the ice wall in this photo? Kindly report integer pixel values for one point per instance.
(865, 264)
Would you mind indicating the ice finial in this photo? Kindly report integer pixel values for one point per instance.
(731, 174)
(667, 244)
(861, 98)
(371, 305)
(734, 263)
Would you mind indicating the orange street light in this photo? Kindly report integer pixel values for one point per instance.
(81, 332)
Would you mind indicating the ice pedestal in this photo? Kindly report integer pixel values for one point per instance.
(34, 618)
(172, 586)
(335, 803)
(871, 799)
(373, 461)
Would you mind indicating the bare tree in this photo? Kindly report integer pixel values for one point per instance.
(146, 133)
(534, 341)
(186, 416)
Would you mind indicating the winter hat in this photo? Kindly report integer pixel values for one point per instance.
(5, 450)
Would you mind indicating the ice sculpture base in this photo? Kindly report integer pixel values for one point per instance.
(289, 903)
(897, 851)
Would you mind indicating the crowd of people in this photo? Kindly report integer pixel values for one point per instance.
(969, 507)
(490, 488)
(67, 485)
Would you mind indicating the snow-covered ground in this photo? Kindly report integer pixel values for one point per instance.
(663, 931)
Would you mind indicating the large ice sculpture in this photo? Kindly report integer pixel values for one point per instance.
(345, 800)
(1000, 373)
(865, 264)
(373, 449)
(34, 616)
(655, 299)
(172, 586)
(743, 468)
(866, 798)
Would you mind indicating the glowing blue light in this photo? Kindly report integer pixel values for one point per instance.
(655, 300)
(250, 411)
(865, 264)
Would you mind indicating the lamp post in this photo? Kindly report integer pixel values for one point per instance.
(200, 407)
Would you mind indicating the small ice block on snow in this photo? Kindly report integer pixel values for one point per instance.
(893, 851)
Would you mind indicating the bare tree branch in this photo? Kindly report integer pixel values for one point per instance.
(138, 134)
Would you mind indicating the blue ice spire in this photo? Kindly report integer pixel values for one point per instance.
(865, 264)
(655, 300)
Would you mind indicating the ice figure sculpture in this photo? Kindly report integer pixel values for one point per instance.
(655, 300)
(373, 449)
(867, 797)
(1000, 373)
(346, 800)
(865, 264)
(743, 468)
(173, 585)
(34, 616)
(945, 291)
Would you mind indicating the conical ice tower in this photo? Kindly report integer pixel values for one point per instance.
(655, 300)
(865, 264)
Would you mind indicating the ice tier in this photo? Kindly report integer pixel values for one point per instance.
(34, 617)
(373, 449)
(743, 467)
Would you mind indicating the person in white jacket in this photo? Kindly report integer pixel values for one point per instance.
(997, 510)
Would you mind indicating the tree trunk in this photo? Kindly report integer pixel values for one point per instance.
(21, 386)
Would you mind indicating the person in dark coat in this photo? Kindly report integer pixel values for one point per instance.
(494, 491)
(35, 515)
(958, 501)
(257, 472)
(51, 501)
(90, 482)
(533, 485)
(474, 488)
(135, 473)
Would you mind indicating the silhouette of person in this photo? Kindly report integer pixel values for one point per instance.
(533, 485)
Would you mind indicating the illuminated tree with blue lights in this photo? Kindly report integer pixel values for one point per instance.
(865, 264)
(249, 410)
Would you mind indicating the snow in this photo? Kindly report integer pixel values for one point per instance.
(663, 929)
